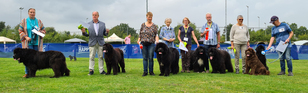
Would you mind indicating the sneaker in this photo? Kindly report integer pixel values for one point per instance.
(25, 75)
(91, 72)
(103, 73)
(145, 74)
(237, 71)
(282, 73)
(152, 73)
(290, 74)
(207, 71)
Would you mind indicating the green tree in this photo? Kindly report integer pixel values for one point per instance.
(124, 30)
(303, 37)
(50, 30)
(2, 25)
(229, 26)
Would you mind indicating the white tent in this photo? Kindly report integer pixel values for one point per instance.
(75, 40)
(301, 42)
(5, 39)
(114, 38)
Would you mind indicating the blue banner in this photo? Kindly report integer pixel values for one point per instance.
(133, 50)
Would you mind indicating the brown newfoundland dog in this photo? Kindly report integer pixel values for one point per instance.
(253, 63)
(113, 58)
(35, 60)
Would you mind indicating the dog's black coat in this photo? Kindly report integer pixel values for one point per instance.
(220, 61)
(35, 60)
(72, 57)
(168, 59)
(199, 59)
(113, 58)
(261, 57)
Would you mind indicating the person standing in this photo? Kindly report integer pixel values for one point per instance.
(167, 33)
(96, 33)
(147, 38)
(213, 36)
(184, 35)
(239, 37)
(127, 39)
(29, 39)
(282, 32)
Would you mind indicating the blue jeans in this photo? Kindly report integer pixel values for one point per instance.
(35, 47)
(148, 54)
(286, 56)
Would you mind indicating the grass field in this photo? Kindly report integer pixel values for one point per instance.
(11, 80)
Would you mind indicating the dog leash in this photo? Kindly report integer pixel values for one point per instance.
(275, 59)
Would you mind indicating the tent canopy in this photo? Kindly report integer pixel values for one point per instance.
(113, 38)
(75, 40)
(5, 39)
(301, 42)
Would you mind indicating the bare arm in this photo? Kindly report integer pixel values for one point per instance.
(138, 41)
(290, 36)
(194, 37)
(218, 40)
(271, 42)
(157, 39)
(179, 36)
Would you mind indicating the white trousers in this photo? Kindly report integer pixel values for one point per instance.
(99, 50)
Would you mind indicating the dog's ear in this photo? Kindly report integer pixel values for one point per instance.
(196, 51)
(156, 47)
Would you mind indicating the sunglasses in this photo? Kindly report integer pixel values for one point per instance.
(241, 19)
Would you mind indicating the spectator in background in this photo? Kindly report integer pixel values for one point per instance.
(127, 39)
(167, 33)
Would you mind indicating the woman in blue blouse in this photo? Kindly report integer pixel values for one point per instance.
(167, 33)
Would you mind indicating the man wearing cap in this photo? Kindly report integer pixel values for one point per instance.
(282, 32)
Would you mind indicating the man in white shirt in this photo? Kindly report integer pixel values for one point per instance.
(96, 33)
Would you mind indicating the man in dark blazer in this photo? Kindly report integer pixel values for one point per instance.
(96, 33)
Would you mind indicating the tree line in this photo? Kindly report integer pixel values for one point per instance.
(123, 30)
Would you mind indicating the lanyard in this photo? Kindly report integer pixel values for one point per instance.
(185, 29)
(31, 23)
(209, 25)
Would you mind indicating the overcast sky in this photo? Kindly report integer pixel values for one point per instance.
(65, 15)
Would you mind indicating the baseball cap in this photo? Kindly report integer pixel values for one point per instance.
(273, 19)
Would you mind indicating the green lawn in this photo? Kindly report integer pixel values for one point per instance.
(11, 80)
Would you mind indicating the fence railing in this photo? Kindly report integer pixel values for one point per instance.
(133, 50)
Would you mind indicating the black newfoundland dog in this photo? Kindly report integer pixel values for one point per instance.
(199, 59)
(261, 57)
(168, 59)
(35, 60)
(113, 58)
(220, 61)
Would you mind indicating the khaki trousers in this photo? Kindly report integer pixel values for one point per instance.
(99, 50)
